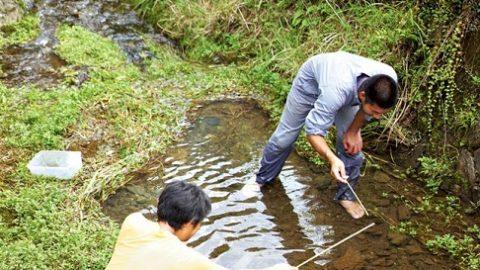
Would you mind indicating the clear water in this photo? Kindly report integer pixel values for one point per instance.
(288, 221)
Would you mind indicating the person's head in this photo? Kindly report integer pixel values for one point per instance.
(378, 94)
(183, 206)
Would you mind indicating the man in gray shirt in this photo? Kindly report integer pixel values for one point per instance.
(341, 88)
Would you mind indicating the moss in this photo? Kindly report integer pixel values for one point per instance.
(20, 32)
(81, 47)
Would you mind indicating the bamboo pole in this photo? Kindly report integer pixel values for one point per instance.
(358, 199)
(337, 244)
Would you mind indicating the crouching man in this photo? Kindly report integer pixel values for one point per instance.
(144, 244)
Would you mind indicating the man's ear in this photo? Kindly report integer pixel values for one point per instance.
(361, 95)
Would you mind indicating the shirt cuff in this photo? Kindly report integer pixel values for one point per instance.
(316, 131)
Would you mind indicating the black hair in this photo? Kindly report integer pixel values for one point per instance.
(380, 89)
(181, 203)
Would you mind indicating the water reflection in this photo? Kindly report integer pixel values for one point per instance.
(220, 153)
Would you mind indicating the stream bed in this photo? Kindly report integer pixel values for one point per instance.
(288, 221)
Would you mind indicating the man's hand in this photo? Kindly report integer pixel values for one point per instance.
(337, 169)
(337, 166)
(352, 142)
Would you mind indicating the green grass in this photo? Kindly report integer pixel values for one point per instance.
(22, 31)
(41, 229)
(51, 224)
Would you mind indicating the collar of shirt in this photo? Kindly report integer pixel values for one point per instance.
(360, 80)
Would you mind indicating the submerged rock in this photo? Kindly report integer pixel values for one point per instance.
(383, 202)
(397, 239)
(383, 262)
(352, 259)
(403, 213)
(382, 177)
(414, 250)
(323, 183)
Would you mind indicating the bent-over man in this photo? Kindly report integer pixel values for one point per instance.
(332, 88)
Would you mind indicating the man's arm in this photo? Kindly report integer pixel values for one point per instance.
(352, 139)
(337, 168)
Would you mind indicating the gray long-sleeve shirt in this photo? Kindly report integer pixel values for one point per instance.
(332, 78)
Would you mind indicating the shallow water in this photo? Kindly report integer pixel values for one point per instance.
(288, 221)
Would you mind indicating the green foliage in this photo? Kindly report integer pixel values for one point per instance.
(40, 229)
(20, 32)
(445, 107)
(465, 249)
(280, 36)
(434, 172)
(406, 227)
(29, 119)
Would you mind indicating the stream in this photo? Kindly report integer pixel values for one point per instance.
(288, 221)
(36, 61)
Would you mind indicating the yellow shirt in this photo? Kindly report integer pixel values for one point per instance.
(143, 244)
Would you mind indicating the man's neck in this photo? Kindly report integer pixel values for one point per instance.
(165, 226)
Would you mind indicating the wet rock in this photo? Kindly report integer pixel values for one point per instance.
(403, 213)
(81, 77)
(36, 62)
(381, 177)
(397, 239)
(135, 190)
(322, 183)
(352, 259)
(414, 250)
(377, 231)
(383, 262)
(392, 214)
(30, 63)
(476, 161)
(383, 253)
(466, 166)
(10, 12)
(383, 202)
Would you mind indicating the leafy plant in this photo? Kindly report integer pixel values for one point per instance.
(435, 172)
(466, 248)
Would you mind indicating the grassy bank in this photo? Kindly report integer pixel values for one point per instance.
(118, 118)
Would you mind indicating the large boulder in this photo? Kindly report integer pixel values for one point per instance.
(476, 161)
(10, 12)
(466, 166)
